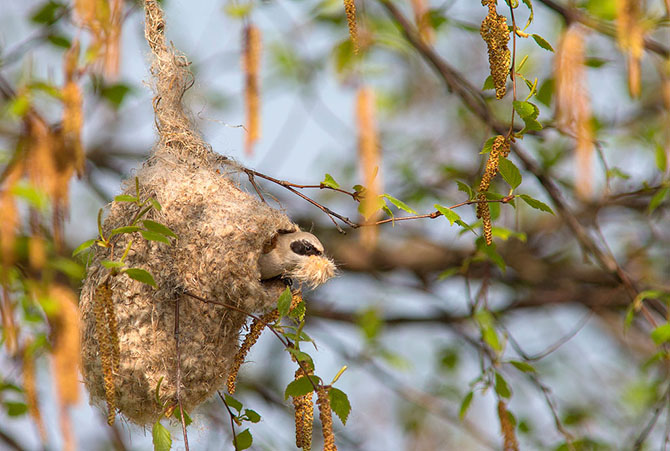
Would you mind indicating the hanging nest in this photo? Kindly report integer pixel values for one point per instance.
(129, 351)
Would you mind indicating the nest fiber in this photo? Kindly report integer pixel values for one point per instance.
(221, 231)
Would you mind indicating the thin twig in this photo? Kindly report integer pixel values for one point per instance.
(178, 351)
(232, 418)
(574, 15)
(513, 71)
(660, 406)
(546, 392)
(455, 83)
(560, 342)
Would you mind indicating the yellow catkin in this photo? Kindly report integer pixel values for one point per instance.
(326, 416)
(113, 38)
(103, 298)
(369, 161)
(495, 33)
(573, 105)
(251, 64)
(422, 19)
(499, 149)
(10, 218)
(65, 357)
(30, 388)
(249, 340)
(304, 416)
(72, 110)
(510, 442)
(66, 345)
(630, 36)
(350, 11)
(37, 255)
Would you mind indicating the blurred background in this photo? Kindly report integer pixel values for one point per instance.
(562, 321)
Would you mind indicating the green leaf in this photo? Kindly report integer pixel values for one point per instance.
(529, 113)
(400, 204)
(83, 246)
(59, 40)
(126, 229)
(530, 17)
(155, 236)
(485, 321)
(177, 414)
(301, 356)
(155, 204)
(465, 404)
(238, 10)
(157, 227)
(488, 84)
(464, 187)
(536, 204)
(491, 253)
(284, 302)
(502, 389)
(658, 199)
(330, 181)
(522, 366)
(525, 109)
(448, 213)
(252, 415)
(125, 198)
(49, 13)
(300, 386)
(370, 323)
(162, 439)
(509, 172)
(488, 145)
(233, 403)
(542, 42)
(69, 267)
(388, 211)
(112, 264)
(616, 172)
(661, 334)
(339, 403)
(15, 409)
(115, 93)
(243, 440)
(661, 158)
(505, 234)
(34, 196)
(448, 273)
(141, 276)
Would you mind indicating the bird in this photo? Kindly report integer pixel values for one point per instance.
(296, 255)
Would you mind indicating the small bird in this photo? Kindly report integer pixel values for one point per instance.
(296, 255)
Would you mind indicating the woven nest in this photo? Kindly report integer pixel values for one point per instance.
(221, 231)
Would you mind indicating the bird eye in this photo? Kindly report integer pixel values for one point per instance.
(302, 247)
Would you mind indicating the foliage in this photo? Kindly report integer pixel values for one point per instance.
(552, 179)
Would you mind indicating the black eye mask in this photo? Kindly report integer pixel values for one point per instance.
(303, 247)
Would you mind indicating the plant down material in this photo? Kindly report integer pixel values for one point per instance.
(221, 232)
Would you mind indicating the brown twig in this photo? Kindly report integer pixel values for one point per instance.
(232, 418)
(436, 214)
(570, 14)
(455, 83)
(177, 350)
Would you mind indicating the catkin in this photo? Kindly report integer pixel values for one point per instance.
(249, 340)
(495, 33)
(326, 416)
(500, 148)
(304, 416)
